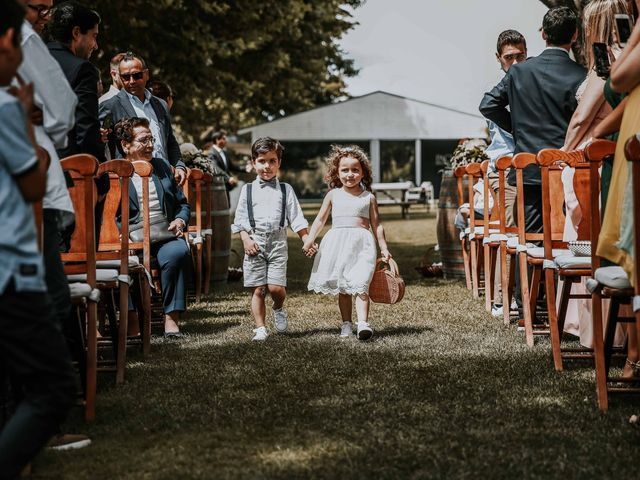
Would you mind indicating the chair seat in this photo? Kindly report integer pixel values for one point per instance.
(83, 290)
(512, 242)
(572, 261)
(538, 252)
(207, 231)
(115, 264)
(102, 275)
(613, 277)
(479, 231)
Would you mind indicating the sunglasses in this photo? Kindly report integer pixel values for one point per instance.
(136, 76)
(43, 10)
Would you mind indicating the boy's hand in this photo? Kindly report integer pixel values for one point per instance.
(385, 255)
(310, 249)
(251, 248)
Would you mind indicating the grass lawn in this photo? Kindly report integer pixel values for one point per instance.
(442, 390)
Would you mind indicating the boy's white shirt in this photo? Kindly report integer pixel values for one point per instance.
(267, 205)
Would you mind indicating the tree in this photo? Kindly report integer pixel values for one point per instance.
(234, 62)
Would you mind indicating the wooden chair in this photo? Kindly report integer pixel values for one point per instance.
(81, 259)
(611, 282)
(529, 295)
(491, 240)
(569, 268)
(460, 174)
(193, 191)
(508, 242)
(476, 232)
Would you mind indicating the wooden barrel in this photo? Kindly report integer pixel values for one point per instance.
(448, 234)
(220, 223)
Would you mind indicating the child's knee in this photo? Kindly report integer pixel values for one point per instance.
(260, 292)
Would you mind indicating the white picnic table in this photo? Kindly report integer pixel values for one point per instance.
(394, 193)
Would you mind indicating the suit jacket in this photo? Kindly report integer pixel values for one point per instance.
(227, 168)
(84, 137)
(541, 95)
(174, 203)
(120, 107)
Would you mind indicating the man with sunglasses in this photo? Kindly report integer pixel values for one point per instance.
(135, 100)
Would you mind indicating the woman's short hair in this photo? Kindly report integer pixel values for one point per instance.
(123, 130)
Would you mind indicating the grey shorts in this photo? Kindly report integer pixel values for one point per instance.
(269, 266)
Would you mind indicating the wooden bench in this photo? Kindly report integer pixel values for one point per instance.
(394, 193)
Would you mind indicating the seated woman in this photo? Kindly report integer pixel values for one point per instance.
(165, 200)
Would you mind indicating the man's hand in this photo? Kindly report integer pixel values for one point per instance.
(251, 248)
(36, 116)
(233, 181)
(180, 174)
(177, 227)
(310, 248)
(24, 94)
(104, 134)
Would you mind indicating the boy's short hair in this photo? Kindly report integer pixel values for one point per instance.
(510, 37)
(264, 145)
(68, 15)
(559, 25)
(12, 17)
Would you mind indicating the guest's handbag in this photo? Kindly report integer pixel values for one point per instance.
(158, 231)
(387, 286)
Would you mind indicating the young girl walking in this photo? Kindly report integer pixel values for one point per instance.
(346, 260)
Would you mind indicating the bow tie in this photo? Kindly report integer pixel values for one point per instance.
(267, 183)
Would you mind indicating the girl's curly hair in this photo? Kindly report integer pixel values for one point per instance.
(337, 153)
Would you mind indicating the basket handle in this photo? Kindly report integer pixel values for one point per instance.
(391, 265)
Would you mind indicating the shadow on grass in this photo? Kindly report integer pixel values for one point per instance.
(399, 331)
(208, 328)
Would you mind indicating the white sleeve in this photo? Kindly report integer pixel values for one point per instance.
(52, 92)
(241, 220)
(294, 211)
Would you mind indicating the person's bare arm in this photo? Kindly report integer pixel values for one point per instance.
(625, 71)
(318, 223)
(378, 230)
(591, 102)
(611, 123)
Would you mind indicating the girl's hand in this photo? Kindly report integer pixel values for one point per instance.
(385, 255)
(310, 249)
(251, 248)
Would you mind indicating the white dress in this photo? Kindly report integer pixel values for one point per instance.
(347, 256)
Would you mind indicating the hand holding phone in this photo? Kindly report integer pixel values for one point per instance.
(107, 123)
(623, 27)
(601, 57)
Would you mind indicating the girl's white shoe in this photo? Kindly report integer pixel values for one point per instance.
(365, 332)
(346, 330)
(260, 334)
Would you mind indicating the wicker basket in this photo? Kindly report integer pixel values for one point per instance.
(580, 248)
(387, 286)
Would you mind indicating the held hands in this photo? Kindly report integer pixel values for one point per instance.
(251, 248)
(385, 255)
(177, 227)
(310, 248)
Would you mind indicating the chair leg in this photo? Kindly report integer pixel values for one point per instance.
(92, 361)
(609, 333)
(565, 296)
(524, 293)
(598, 351)
(534, 289)
(145, 288)
(488, 278)
(467, 263)
(474, 269)
(123, 323)
(208, 254)
(555, 331)
(505, 280)
(198, 271)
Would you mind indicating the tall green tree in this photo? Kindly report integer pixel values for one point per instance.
(234, 62)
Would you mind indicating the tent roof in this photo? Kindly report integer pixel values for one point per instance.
(377, 115)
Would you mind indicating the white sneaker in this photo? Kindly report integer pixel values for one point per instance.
(364, 331)
(347, 330)
(280, 319)
(260, 334)
(497, 311)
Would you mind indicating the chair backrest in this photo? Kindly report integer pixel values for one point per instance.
(114, 241)
(207, 201)
(474, 171)
(460, 173)
(489, 194)
(520, 161)
(552, 162)
(595, 153)
(193, 191)
(502, 165)
(144, 169)
(81, 257)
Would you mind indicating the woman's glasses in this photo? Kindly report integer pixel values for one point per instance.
(145, 141)
(128, 76)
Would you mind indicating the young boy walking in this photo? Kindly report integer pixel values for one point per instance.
(265, 208)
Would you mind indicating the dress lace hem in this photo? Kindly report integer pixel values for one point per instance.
(337, 290)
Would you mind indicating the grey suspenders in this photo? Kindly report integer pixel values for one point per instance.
(283, 213)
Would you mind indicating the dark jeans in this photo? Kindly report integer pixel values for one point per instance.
(35, 355)
(55, 278)
(174, 259)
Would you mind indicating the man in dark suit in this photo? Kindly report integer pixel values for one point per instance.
(540, 94)
(74, 31)
(220, 158)
(134, 100)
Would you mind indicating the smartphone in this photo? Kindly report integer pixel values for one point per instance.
(601, 57)
(624, 26)
(107, 123)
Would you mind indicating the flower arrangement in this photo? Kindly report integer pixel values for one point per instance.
(469, 151)
(194, 158)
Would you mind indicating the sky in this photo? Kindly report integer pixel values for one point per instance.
(438, 51)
